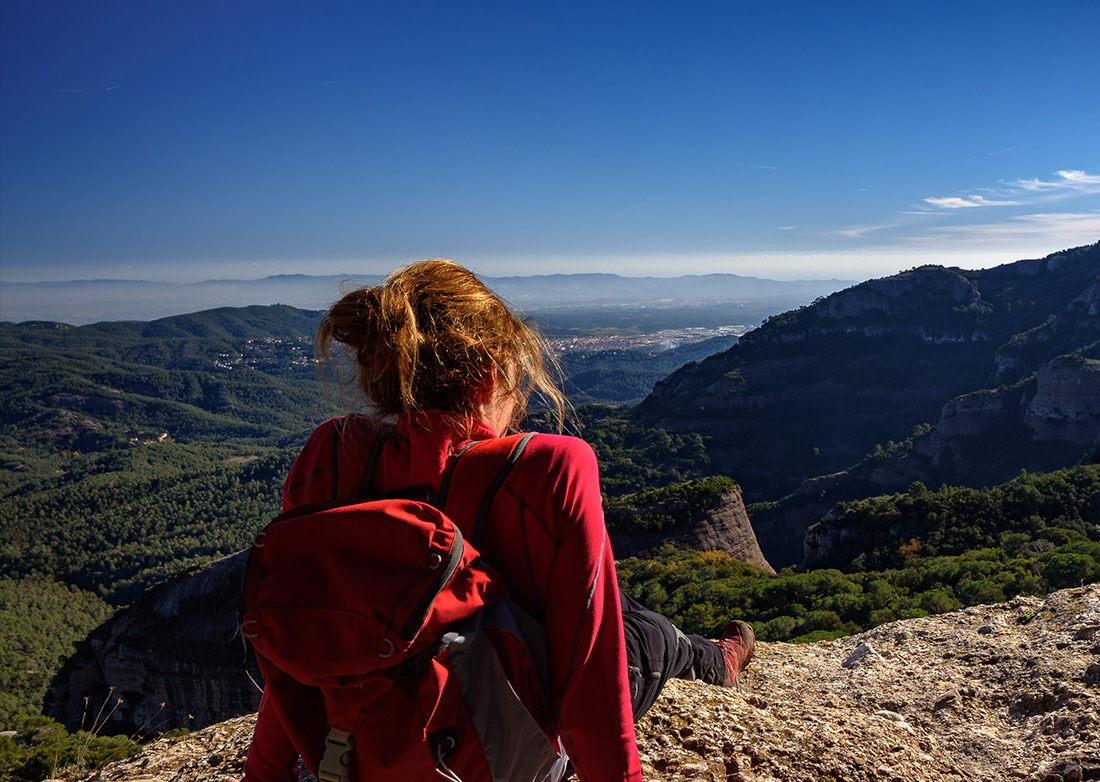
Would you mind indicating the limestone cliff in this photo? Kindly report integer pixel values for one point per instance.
(1066, 404)
(720, 525)
(1000, 692)
(171, 658)
(1037, 410)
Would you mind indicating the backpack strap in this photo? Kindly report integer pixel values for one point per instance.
(513, 446)
(366, 486)
(335, 764)
(445, 481)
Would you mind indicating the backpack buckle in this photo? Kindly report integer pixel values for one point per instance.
(336, 762)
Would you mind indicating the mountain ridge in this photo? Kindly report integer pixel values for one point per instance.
(806, 397)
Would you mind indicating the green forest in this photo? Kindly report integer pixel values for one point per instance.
(923, 552)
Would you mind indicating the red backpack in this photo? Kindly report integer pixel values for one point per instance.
(388, 647)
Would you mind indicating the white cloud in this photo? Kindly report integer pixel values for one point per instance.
(859, 231)
(1069, 182)
(955, 202)
(1051, 230)
(1025, 192)
(1080, 177)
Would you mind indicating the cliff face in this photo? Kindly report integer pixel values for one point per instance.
(1066, 405)
(934, 286)
(722, 525)
(171, 658)
(1000, 692)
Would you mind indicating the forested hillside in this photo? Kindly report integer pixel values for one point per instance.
(130, 451)
(902, 556)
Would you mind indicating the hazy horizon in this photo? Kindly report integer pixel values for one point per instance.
(78, 302)
(811, 266)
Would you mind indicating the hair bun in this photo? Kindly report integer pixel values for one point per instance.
(433, 337)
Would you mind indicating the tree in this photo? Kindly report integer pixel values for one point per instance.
(1069, 570)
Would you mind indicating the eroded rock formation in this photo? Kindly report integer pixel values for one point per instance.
(722, 525)
(170, 660)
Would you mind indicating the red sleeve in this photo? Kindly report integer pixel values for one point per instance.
(271, 757)
(584, 623)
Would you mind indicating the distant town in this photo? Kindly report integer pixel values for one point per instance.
(281, 351)
(269, 352)
(660, 340)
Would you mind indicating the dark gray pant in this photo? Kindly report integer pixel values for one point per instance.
(657, 651)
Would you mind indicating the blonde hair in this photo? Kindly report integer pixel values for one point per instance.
(434, 337)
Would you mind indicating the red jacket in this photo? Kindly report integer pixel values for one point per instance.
(547, 538)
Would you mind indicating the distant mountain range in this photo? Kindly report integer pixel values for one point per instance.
(79, 302)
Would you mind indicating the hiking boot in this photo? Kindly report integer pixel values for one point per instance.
(737, 643)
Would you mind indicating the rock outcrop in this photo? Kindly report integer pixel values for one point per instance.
(1002, 692)
(721, 525)
(168, 661)
(1066, 405)
(1044, 416)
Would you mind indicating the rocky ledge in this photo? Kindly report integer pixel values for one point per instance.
(1002, 692)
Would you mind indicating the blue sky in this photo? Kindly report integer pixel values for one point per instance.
(198, 140)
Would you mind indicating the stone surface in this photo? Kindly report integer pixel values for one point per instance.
(1066, 405)
(173, 658)
(1004, 692)
(724, 526)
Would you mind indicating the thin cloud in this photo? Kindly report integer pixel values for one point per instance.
(61, 89)
(1080, 177)
(859, 231)
(955, 202)
(757, 165)
(1001, 152)
(1073, 181)
(786, 227)
(1025, 192)
(1053, 228)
